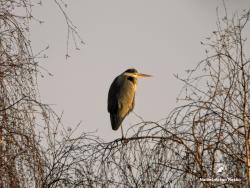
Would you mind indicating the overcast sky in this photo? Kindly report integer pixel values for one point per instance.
(160, 37)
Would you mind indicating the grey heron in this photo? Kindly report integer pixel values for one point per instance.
(121, 96)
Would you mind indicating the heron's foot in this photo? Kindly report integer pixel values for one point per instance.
(124, 140)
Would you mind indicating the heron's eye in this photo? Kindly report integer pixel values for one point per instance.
(130, 78)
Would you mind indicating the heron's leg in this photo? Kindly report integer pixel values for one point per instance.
(122, 132)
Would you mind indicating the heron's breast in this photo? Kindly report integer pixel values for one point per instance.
(126, 98)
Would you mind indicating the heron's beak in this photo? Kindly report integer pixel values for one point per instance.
(141, 75)
(138, 75)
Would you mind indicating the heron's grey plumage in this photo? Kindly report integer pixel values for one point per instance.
(121, 98)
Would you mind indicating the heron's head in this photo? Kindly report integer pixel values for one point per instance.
(135, 74)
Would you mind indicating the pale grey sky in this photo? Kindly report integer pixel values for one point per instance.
(159, 37)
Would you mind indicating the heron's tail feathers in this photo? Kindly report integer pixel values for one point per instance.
(115, 121)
